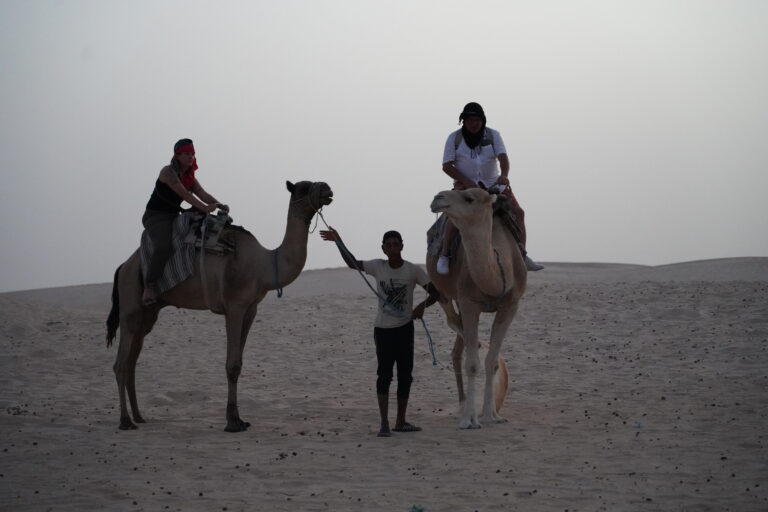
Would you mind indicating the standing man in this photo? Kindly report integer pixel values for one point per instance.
(393, 327)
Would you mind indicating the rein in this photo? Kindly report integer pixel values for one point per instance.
(316, 210)
(495, 303)
(277, 275)
(384, 300)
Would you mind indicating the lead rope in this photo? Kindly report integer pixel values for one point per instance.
(391, 307)
(277, 275)
(384, 299)
(431, 344)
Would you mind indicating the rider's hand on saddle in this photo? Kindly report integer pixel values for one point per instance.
(210, 208)
(223, 207)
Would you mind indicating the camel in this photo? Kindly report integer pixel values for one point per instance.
(488, 275)
(234, 285)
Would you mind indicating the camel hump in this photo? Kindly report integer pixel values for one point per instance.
(502, 208)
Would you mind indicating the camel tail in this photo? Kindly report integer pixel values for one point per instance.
(113, 321)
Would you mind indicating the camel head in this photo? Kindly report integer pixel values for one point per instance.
(309, 196)
(465, 208)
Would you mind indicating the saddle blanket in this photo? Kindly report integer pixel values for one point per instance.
(181, 261)
(186, 237)
(435, 237)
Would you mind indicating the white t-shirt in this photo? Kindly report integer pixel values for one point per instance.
(396, 285)
(480, 164)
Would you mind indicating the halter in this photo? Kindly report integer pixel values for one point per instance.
(314, 208)
(275, 260)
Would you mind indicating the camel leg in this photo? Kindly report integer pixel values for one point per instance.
(131, 342)
(501, 323)
(124, 367)
(458, 351)
(454, 322)
(238, 322)
(149, 317)
(470, 316)
(451, 316)
(130, 383)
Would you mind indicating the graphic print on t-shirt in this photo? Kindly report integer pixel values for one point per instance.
(396, 295)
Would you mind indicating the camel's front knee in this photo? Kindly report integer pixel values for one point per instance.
(491, 365)
(233, 371)
(120, 368)
(472, 368)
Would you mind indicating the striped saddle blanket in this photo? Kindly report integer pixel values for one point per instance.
(185, 241)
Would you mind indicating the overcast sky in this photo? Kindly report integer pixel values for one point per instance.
(636, 130)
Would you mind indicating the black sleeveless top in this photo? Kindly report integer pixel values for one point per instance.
(164, 199)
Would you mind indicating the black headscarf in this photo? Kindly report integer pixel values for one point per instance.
(472, 139)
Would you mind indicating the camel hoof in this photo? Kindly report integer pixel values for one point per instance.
(490, 420)
(468, 425)
(127, 424)
(237, 426)
(138, 418)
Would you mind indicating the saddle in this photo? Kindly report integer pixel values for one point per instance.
(212, 228)
(186, 239)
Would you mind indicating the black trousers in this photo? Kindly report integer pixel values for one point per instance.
(159, 226)
(394, 345)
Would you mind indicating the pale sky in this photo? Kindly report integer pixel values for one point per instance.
(636, 130)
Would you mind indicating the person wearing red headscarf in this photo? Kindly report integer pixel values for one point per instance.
(176, 183)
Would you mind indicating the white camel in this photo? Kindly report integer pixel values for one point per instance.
(487, 275)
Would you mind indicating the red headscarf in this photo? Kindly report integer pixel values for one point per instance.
(187, 178)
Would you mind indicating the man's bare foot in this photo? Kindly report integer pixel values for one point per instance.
(384, 431)
(406, 427)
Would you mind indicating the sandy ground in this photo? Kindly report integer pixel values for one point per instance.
(631, 388)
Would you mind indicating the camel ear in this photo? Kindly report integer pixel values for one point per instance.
(290, 186)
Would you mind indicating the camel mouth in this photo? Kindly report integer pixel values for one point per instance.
(326, 197)
(438, 205)
(438, 208)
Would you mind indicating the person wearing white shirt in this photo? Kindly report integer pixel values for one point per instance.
(475, 156)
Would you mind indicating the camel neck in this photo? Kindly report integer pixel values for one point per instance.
(483, 261)
(292, 252)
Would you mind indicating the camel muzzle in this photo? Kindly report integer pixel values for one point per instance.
(438, 204)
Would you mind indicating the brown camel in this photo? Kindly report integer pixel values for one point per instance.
(487, 275)
(235, 284)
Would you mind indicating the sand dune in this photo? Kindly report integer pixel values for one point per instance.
(631, 388)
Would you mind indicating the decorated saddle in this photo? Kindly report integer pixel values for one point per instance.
(186, 240)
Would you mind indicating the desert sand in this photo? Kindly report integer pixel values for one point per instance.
(631, 388)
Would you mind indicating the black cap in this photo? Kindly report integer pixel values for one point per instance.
(391, 234)
(472, 109)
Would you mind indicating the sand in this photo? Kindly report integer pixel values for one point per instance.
(631, 388)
